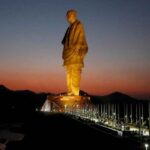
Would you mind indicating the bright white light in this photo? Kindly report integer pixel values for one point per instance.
(146, 146)
(46, 107)
(123, 127)
(96, 120)
(106, 122)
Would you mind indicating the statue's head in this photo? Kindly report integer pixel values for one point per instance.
(71, 16)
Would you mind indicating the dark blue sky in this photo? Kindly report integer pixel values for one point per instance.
(118, 35)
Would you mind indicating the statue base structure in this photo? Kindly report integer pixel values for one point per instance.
(61, 102)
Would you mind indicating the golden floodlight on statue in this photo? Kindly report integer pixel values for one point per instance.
(74, 50)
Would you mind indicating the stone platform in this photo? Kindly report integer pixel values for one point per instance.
(63, 101)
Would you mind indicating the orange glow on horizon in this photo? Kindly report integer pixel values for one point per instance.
(56, 83)
(52, 87)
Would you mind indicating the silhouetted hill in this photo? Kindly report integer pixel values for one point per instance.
(20, 103)
(27, 96)
(26, 102)
(116, 98)
(122, 100)
(121, 97)
(83, 93)
(4, 89)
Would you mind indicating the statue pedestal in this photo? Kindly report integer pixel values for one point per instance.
(63, 101)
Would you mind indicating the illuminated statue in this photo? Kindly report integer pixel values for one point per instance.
(75, 49)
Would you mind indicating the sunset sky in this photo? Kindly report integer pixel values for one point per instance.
(118, 35)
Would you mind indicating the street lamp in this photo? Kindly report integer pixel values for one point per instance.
(146, 146)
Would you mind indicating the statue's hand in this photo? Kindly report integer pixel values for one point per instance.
(76, 51)
(82, 56)
(77, 48)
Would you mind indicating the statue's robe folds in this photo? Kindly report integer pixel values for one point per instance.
(74, 39)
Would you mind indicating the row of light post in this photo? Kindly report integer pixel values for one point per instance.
(111, 113)
(132, 114)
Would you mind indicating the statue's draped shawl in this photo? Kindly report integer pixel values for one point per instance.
(74, 39)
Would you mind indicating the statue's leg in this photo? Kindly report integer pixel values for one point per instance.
(69, 80)
(76, 77)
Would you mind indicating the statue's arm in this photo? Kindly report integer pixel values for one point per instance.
(64, 38)
(81, 44)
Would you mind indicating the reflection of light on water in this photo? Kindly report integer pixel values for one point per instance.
(9, 136)
(2, 146)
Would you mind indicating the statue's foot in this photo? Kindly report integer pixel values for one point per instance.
(75, 93)
(70, 94)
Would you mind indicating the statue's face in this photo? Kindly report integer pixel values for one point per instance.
(71, 17)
